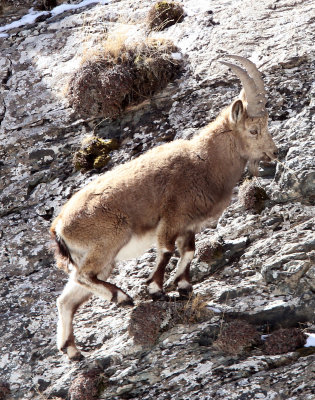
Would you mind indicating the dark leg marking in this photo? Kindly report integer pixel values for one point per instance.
(118, 295)
(186, 246)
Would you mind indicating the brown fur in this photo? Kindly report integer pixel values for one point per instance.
(171, 190)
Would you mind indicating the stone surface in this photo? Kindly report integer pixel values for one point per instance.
(263, 271)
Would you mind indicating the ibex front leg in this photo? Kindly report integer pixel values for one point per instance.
(186, 247)
(166, 246)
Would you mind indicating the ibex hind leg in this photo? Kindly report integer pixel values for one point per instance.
(68, 302)
(186, 247)
(92, 274)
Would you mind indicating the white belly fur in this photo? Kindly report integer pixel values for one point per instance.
(136, 246)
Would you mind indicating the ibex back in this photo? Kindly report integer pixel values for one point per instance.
(163, 197)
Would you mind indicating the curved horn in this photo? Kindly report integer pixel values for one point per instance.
(253, 86)
(253, 71)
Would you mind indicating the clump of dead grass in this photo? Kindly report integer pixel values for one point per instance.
(237, 336)
(164, 14)
(193, 311)
(121, 73)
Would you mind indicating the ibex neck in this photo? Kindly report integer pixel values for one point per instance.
(219, 148)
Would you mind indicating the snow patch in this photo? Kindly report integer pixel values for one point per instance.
(33, 15)
(66, 7)
(214, 309)
(310, 341)
(177, 56)
(25, 20)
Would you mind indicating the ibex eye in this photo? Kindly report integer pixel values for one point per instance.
(254, 132)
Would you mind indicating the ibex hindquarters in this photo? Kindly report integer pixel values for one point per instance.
(94, 264)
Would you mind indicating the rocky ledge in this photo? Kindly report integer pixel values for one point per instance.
(256, 266)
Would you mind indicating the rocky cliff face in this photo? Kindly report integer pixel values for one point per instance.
(257, 267)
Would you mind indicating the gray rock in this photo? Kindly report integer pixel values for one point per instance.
(264, 271)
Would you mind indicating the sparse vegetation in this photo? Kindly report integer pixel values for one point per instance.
(284, 341)
(193, 311)
(45, 5)
(87, 385)
(4, 390)
(145, 322)
(94, 153)
(164, 14)
(252, 197)
(148, 320)
(210, 251)
(236, 337)
(120, 74)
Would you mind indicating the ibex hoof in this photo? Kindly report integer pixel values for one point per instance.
(126, 303)
(122, 299)
(72, 352)
(160, 296)
(76, 357)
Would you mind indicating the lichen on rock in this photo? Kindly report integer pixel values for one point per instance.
(94, 153)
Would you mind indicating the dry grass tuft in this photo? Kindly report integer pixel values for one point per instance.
(252, 197)
(236, 337)
(164, 14)
(284, 341)
(121, 73)
(94, 153)
(193, 311)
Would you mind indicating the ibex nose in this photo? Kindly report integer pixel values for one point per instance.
(276, 153)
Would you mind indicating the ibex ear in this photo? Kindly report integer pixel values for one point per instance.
(237, 111)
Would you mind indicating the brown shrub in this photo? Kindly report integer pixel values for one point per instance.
(145, 322)
(148, 320)
(4, 390)
(252, 197)
(86, 386)
(164, 14)
(118, 75)
(236, 337)
(284, 341)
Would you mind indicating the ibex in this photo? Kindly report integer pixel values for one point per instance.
(162, 197)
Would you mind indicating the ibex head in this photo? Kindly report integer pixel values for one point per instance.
(249, 117)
